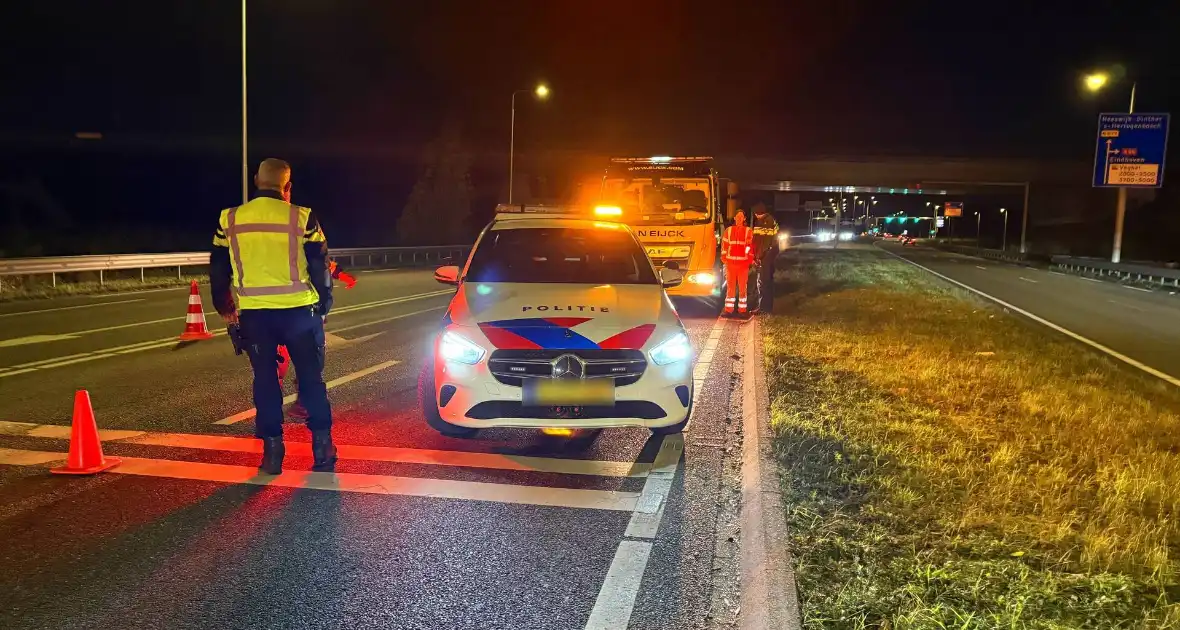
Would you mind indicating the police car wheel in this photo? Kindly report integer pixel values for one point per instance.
(426, 398)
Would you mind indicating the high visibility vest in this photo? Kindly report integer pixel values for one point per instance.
(266, 238)
(737, 246)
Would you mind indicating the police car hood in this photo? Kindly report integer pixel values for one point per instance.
(525, 315)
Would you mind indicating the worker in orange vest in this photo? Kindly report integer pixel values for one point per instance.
(297, 410)
(737, 251)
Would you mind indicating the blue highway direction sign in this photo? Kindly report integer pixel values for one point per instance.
(1130, 151)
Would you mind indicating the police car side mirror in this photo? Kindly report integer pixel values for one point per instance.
(672, 264)
(670, 277)
(447, 275)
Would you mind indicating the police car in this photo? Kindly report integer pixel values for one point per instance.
(559, 320)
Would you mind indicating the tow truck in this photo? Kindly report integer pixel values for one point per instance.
(677, 207)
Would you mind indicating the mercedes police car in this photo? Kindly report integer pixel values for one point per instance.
(559, 321)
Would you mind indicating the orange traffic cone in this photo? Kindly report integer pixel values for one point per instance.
(194, 322)
(85, 448)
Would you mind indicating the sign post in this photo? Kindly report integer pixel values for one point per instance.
(1129, 154)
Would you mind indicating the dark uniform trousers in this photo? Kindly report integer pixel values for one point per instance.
(765, 281)
(302, 332)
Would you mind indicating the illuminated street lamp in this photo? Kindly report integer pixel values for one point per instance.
(542, 93)
(1095, 82)
(977, 241)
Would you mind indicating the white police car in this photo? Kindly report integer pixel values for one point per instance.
(558, 321)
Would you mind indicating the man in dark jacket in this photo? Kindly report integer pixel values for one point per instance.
(765, 251)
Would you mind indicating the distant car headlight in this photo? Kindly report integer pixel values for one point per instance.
(704, 277)
(847, 236)
(676, 348)
(457, 348)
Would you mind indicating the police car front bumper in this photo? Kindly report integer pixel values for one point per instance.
(470, 396)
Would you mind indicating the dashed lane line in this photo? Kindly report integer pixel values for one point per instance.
(616, 599)
(389, 454)
(103, 353)
(69, 308)
(290, 398)
(351, 482)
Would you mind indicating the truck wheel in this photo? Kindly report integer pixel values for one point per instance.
(429, 403)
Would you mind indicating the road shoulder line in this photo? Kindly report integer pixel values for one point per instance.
(1040, 320)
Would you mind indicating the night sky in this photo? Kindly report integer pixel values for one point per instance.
(347, 78)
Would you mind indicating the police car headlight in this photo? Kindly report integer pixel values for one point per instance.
(677, 348)
(704, 277)
(457, 348)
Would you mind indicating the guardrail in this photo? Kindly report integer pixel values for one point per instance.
(981, 252)
(1162, 276)
(349, 257)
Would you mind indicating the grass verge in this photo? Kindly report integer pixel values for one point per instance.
(946, 465)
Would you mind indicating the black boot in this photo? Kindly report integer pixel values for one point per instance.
(272, 455)
(323, 450)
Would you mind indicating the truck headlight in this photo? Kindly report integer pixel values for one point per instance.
(457, 348)
(705, 277)
(676, 348)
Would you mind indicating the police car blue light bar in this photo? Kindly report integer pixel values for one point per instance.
(525, 208)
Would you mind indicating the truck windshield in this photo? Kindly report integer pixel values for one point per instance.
(560, 255)
(660, 202)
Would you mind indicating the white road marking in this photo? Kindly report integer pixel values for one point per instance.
(1057, 273)
(645, 522)
(981, 267)
(290, 398)
(83, 357)
(387, 319)
(1137, 289)
(352, 482)
(1028, 279)
(612, 609)
(1069, 333)
(1125, 305)
(1089, 279)
(33, 339)
(69, 308)
(701, 369)
(616, 598)
(397, 455)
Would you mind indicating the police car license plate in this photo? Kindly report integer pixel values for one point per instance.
(545, 392)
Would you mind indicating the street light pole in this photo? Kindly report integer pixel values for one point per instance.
(512, 148)
(978, 242)
(245, 158)
(542, 92)
(1120, 212)
(1004, 238)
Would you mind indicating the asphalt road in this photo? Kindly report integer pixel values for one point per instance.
(510, 529)
(1135, 322)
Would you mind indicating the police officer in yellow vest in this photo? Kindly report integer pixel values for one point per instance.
(274, 255)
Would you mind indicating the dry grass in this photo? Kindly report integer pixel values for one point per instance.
(949, 466)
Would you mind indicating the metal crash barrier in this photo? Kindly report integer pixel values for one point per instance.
(1162, 276)
(349, 257)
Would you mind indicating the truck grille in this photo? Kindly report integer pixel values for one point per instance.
(511, 367)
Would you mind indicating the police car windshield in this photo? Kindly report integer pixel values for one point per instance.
(560, 255)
